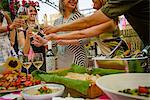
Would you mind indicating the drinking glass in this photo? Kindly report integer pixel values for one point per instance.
(24, 17)
(38, 60)
(22, 14)
(27, 62)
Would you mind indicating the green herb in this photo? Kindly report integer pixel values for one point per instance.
(102, 71)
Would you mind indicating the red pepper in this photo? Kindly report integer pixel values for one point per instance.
(143, 89)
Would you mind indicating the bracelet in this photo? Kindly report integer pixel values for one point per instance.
(8, 28)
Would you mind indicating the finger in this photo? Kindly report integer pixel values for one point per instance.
(35, 39)
(44, 30)
(36, 43)
(45, 27)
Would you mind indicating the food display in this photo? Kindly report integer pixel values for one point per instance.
(16, 81)
(79, 81)
(140, 91)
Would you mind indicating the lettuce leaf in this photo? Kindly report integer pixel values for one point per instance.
(102, 71)
(78, 85)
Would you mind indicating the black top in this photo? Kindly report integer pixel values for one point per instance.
(37, 50)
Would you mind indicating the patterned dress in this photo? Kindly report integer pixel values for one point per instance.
(72, 53)
(5, 48)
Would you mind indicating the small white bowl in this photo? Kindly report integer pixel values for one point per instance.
(111, 84)
(27, 96)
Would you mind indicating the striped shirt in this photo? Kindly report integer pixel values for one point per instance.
(79, 52)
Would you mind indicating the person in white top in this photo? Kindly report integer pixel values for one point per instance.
(6, 25)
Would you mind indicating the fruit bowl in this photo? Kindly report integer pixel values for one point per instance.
(111, 84)
(32, 93)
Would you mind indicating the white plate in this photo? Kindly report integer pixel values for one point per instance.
(27, 96)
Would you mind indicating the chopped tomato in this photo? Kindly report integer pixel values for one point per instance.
(37, 82)
(28, 83)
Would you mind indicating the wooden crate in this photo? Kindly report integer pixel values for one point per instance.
(93, 92)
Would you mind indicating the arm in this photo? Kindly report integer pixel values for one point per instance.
(12, 37)
(86, 33)
(82, 23)
(9, 21)
(12, 33)
(68, 42)
(109, 11)
(27, 44)
(16, 24)
(21, 39)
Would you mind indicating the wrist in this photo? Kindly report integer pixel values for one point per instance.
(8, 28)
(56, 29)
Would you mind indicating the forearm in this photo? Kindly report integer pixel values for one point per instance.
(82, 23)
(86, 33)
(12, 37)
(72, 42)
(21, 40)
(26, 45)
(9, 21)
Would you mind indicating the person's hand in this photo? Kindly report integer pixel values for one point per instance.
(62, 42)
(29, 32)
(17, 23)
(48, 29)
(39, 41)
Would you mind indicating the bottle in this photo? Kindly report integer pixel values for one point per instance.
(146, 50)
(50, 58)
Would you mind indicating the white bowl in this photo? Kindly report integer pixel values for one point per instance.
(111, 84)
(27, 96)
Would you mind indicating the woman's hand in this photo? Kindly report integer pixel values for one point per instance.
(49, 29)
(29, 32)
(39, 41)
(17, 23)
